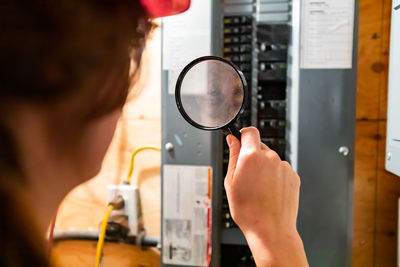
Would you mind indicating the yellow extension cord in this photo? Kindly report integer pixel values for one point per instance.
(100, 242)
(134, 153)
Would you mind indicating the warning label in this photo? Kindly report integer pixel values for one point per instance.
(187, 215)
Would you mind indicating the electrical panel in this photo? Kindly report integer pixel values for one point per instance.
(305, 112)
(393, 127)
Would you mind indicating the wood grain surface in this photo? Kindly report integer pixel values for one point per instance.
(376, 191)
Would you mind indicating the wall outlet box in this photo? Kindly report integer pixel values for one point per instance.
(131, 209)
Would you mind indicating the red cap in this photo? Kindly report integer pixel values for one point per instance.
(163, 8)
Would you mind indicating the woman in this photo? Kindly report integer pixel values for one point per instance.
(66, 67)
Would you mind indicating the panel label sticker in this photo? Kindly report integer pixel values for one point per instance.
(187, 215)
(186, 36)
(327, 28)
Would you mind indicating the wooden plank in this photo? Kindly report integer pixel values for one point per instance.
(372, 105)
(369, 66)
(388, 186)
(388, 193)
(364, 193)
(386, 19)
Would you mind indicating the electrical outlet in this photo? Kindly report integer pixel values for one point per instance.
(131, 209)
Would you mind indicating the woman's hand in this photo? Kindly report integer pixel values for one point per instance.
(263, 196)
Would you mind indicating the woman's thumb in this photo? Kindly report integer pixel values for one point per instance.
(234, 150)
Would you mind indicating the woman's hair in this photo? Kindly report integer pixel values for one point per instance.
(55, 50)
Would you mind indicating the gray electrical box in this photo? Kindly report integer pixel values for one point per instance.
(393, 126)
(299, 59)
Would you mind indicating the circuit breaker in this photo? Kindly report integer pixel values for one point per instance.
(299, 60)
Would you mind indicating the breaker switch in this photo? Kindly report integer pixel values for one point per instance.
(246, 48)
(272, 127)
(271, 108)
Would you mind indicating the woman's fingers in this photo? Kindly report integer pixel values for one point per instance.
(234, 151)
(250, 139)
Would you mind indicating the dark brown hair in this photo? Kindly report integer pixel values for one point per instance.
(55, 50)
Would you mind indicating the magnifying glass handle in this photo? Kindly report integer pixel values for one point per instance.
(235, 132)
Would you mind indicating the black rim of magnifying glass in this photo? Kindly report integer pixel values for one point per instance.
(178, 91)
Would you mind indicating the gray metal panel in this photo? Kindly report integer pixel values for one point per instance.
(273, 17)
(327, 101)
(326, 122)
(326, 105)
(274, 7)
(193, 146)
(238, 1)
(235, 9)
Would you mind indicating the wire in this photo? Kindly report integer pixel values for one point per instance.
(147, 241)
(100, 242)
(115, 204)
(132, 165)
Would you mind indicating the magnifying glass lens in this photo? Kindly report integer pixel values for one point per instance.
(212, 93)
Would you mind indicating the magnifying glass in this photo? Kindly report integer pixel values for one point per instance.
(210, 94)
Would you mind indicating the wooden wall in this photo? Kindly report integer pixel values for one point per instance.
(376, 191)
